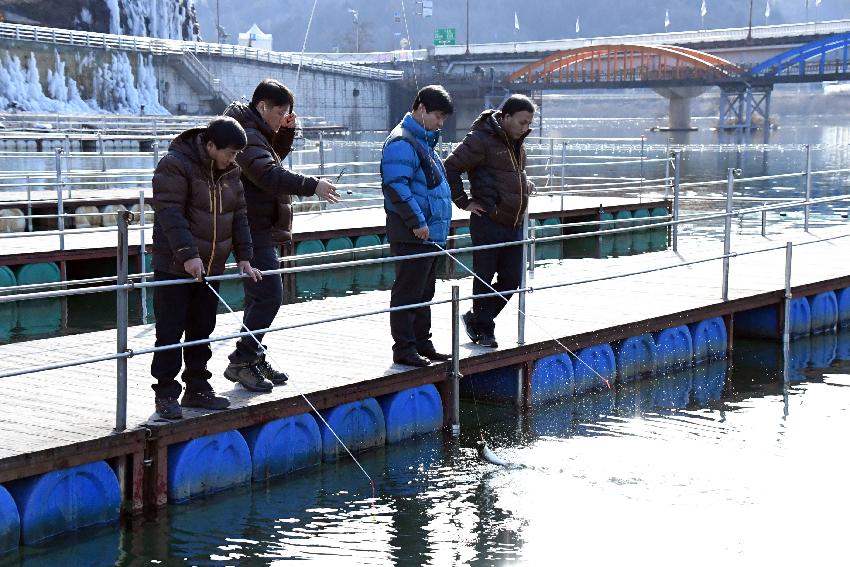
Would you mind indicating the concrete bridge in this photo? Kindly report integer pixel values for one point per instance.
(201, 78)
(744, 62)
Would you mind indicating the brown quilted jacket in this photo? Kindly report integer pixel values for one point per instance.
(268, 185)
(495, 166)
(200, 212)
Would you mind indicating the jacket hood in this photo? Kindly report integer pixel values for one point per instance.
(488, 121)
(431, 137)
(248, 117)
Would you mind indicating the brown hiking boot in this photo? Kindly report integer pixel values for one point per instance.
(249, 375)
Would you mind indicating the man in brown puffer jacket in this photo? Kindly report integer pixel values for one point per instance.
(493, 156)
(270, 126)
(200, 216)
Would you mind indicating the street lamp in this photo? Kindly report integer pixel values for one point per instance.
(750, 25)
(356, 16)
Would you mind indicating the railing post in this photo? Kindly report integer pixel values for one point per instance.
(100, 151)
(642, 158)
(808, 187)
(321, 154)
(551, 158)
(786, 324)
(143, 253)
(563, 171)
(60, 205)
(677, 165)
(455, 374)
(523, 281)
(727, 231)
(155, 146)
(764, 222)
(532, 253)
(121, 320)
(29, 205)
(667, 170)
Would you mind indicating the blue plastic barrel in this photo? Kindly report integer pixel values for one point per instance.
(411, 412)
(207, 464)
(594, 365)
(658, 236)
(498, 385)
(359, 424)
(709, 338)
(709, 379)
(7, 277)
(10, 522)
(636, 356)
(824, 311)
(282, 446)
(309, 284)
(641, 238)
(43, 272)
(339, 281)
(367, 278)
(675, 348)
(843, 346)
(823, 350)
(765, 323)
(843, 297)
(553, 378)
(66, 500)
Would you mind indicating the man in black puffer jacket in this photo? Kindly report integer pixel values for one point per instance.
(270, 125)
(200, 218)
(493, 156)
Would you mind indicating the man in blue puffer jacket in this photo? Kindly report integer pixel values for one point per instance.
(417, 199)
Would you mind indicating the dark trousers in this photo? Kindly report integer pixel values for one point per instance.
(182, 309)
(505, 263)
(414, 283)
(262, 302)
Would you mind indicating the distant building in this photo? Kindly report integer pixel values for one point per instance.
(255, 37)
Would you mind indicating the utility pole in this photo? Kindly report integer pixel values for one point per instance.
(356, 16)
(467, 27)
(750, 25)
(217, 23)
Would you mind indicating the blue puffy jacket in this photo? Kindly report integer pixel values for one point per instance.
(408, 200)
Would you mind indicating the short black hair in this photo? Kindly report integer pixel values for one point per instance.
(518, 103)
(435, 98)
(226, 133)
(275, 92)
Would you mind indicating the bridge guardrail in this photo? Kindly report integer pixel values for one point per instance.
(158, 46)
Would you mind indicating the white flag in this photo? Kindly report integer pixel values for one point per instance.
(516, 22)
(578, 27)
(767, 9)
(703, 9)
(666, 19)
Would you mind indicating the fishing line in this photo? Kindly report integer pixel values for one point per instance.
(409, 45)
(539, 326)
(304, 46)
(297, 391)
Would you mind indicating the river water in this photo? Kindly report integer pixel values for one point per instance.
(717, 465)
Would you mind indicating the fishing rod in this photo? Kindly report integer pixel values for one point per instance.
(297, 390)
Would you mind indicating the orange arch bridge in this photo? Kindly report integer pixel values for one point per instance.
(626, 64)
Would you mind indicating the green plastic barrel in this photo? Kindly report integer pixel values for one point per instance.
(8, 311)
(339, 281)
(623, 240)
(606, 243)
(464, 258)
(368, 277)
(309, 284)
(547, 250)
(41, 316)
(640, 238)
(658, 236)
(387, 268)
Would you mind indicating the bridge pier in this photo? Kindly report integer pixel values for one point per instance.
(679, 99)
(744, 107)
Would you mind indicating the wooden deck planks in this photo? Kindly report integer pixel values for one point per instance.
(60, 408)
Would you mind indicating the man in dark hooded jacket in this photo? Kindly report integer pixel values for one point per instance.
(200, 218)
(270, 126)
(493, 156)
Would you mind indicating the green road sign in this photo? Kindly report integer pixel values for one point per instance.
(445, 36)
